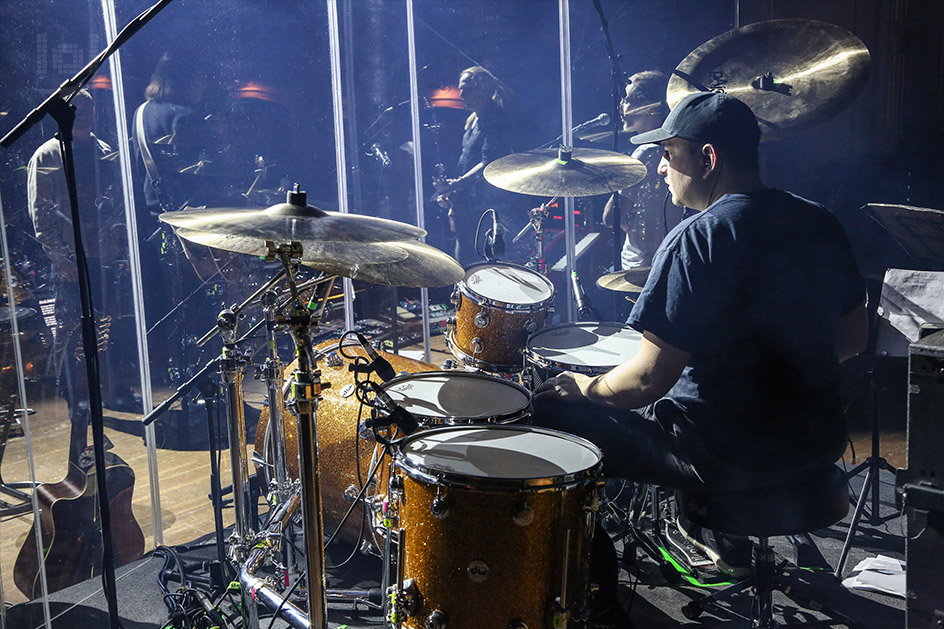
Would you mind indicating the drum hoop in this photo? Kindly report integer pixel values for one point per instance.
(481, 300)
(477, 363)
(432, 476)
(464, 420)
(533, 358)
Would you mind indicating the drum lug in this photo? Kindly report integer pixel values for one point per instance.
(439, 507)
(481, 319)
(530, 326)
(333, 360)
(454, 299)
(478, 345)
(405, 600)
(436, 620)
(524, 515)
(451, 323)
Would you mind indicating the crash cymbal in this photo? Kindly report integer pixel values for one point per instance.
(793, 74)
(629, 281)
(558, 173)
(295, 220)
(344, 253)
(425, 267)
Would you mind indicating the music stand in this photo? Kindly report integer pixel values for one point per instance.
(908, 298)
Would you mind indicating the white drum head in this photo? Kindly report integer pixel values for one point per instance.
(516, 452)
(508, 284)
(587, 344)
(459, 394)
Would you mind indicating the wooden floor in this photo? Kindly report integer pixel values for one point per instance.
(183, 477)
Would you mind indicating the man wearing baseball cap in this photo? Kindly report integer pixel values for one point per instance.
(750, 306)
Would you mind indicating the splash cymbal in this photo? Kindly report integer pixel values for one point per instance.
(560, 173)
(291, 221)
(629, 281)
(793, 74)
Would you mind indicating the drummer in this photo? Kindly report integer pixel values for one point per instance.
(751, 305)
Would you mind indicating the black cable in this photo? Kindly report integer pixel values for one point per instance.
(478, 228)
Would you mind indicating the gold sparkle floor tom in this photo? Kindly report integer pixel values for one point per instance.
(495, 526)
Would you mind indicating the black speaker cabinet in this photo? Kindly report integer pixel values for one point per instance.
(923, 491)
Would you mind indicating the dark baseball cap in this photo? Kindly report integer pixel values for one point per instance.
(709, 117)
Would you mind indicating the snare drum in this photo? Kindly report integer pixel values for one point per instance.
(589, 347)
(459, 397)
(493, 522)
(497, 306)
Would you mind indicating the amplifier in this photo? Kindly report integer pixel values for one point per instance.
(923, 486)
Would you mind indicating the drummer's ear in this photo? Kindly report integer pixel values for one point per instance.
(709, 157)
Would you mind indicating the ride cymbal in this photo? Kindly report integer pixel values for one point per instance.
(294, 220)
(793, 74)
(628, 281)
(424, 267)
(560, 173)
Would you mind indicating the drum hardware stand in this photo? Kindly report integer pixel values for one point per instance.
(536, 218)
(232, 369)
(306, 386)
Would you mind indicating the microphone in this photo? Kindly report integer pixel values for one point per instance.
(498, 241)
(377, 364)
(584, 309)
(396, 414)
(379, 154)
(600, 121)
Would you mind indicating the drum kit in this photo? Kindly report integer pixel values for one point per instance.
(482, 520)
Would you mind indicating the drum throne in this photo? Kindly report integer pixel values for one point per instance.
(806, 503)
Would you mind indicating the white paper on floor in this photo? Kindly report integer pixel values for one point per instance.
(882, 574)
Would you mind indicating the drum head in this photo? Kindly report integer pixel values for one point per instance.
(473, 454)
(457, 395)
(508, 284)
(587, 344)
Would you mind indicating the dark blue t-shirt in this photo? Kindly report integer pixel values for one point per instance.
(754, 288)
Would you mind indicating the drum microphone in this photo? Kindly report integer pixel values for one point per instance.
(377, 364)
(494, 241)
(396, 414)
(584, 309)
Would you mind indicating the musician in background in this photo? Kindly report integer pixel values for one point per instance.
(489, 134)
(105, 239)
(646, 216)
(750, 307)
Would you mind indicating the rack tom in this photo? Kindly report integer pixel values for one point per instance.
(498, 305)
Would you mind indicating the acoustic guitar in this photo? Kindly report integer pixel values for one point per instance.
(71, 527)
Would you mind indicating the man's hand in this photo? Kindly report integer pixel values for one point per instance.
(566, 387)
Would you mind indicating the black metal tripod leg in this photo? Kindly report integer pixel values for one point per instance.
(854, 524)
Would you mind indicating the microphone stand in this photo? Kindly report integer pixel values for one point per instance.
(56, 105)
(618, 81)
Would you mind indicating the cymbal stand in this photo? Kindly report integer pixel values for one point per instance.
(536, 218)
(232, 370)
(306, 385)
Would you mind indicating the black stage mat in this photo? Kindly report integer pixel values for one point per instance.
(651, 601)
